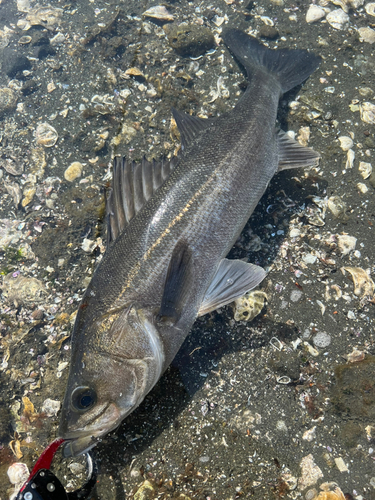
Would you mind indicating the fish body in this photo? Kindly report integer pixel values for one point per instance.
(171, 225)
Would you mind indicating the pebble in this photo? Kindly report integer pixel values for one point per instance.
(8, 99)
(362, 188)
(73, 171)
(338, 19)
(310, 472)
(314, 13)
(340, 464)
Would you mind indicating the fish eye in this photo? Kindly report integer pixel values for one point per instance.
(83, 398)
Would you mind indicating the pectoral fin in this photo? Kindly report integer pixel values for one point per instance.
(293, 155)
(233, 278)
(176, 283)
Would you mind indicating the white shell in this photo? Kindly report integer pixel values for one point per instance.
(314, 13)
(338, 19)
(18, 473)
(367, 110)
(370, 8)
(46, 135)
(366, 35)
(365, 169)
(158, 12)
(350, 158)
(346, 243)
(345, 142)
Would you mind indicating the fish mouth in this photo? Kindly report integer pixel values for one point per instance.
(84, 437)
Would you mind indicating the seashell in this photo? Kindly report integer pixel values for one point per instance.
(136, 72)
(365, 169)
(338, 19)
(12, 167)
(28, 195)
(267, 21)
(158, 12)
(314, 13)
(18, 473)
(23, 5)
(24, 40)
(15, 192)
(303, 136)
(46, 135)
(346, 243)
(366, 35)
(363, 284)
(103, 104)
(350, 155)
(346, 5)
(51, 407)
(370, 8)
(365, 91)
(43, 16)
(346, 143)
(355, 356)
(367, 110)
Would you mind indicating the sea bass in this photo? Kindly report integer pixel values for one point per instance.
(170, 226)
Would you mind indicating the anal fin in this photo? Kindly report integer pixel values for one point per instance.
(233, 279)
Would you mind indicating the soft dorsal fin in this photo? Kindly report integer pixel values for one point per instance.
(189, 126)
(233, 279)
(133, 185)
(293, 155)
(177, 284)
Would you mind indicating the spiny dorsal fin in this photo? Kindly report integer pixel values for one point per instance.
(133, 185)
(233, 279)
(293, 155)
(189, 126)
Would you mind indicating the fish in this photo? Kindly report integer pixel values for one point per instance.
(170, 226)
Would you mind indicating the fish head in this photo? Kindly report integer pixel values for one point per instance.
(116, 361)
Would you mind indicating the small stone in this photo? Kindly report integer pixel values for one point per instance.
(338, 19)
(356, 356)
(145, 492)
(28, 195)
(268, 32)
(310, 473)
(8, 99)
(73, 171)
(314, 13)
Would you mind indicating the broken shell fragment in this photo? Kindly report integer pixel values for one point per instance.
(363, 284)
(15, 192)
(355, 356)
(346, 243)
(46, 135)
(350, 155)
(24, 40)
(367, 110)
(158, 12)
(365, 169)
(338, 19)
(366, 35)
(337, 206)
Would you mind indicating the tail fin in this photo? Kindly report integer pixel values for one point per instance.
(291, 67)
